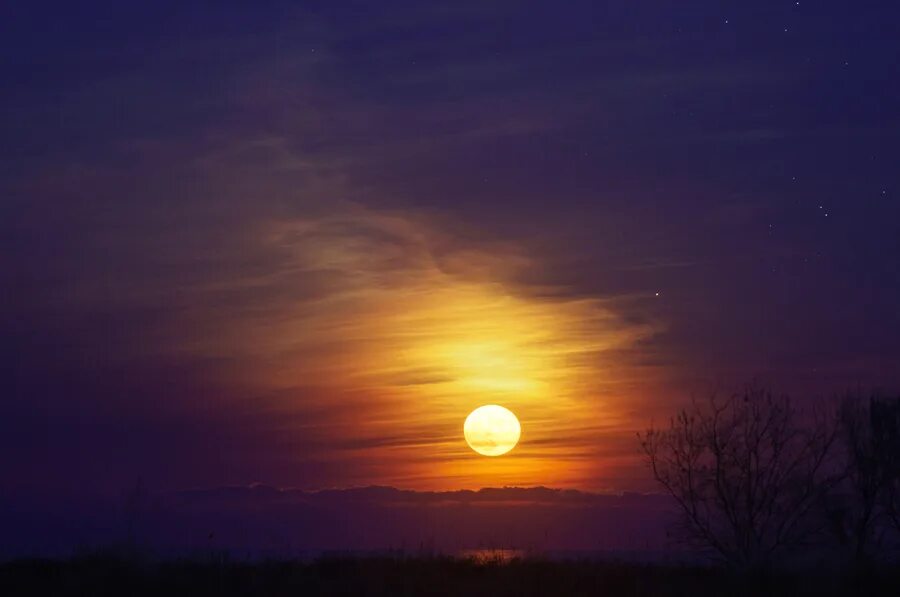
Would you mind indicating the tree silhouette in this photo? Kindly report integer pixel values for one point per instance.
(746, 475)
(868, 432)
(885, 420)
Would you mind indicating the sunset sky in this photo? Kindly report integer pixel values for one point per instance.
(297, 243)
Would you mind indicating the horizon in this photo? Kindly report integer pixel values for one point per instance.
(258, 521)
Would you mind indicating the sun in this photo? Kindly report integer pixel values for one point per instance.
(492, 430)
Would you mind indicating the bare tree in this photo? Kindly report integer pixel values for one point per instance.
(854, 510)
(745, 473)
(885, 418)
(868, 500)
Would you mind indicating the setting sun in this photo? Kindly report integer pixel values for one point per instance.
(492, 430)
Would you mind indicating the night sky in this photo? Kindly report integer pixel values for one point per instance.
(297, 243)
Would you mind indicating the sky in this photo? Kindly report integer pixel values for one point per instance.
(297, 243)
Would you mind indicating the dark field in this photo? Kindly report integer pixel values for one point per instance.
(422, 576)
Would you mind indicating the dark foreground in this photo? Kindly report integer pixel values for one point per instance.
(424, 576)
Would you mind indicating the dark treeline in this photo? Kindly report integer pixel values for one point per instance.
(423, 576)
(759, 482)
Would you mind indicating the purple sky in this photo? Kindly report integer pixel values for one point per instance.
(297, 244)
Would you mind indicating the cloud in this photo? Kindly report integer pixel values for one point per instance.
(360, 302)
(312, 334)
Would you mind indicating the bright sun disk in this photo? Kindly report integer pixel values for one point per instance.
(492, 430)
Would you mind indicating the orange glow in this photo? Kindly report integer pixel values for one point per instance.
(400, 347)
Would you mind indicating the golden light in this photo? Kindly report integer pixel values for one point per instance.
(398, 337)
(492, 430)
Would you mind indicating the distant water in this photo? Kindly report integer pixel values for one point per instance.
(481, 555)
(506, 555)
(500, 556)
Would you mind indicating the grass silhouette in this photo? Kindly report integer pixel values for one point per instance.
(421, 576)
